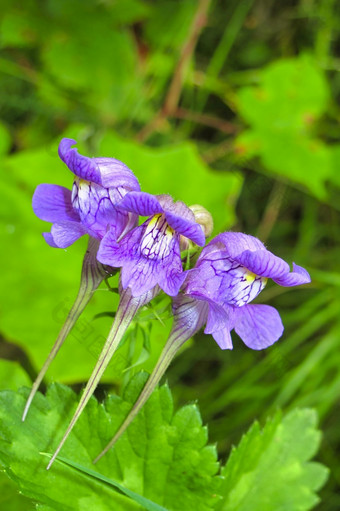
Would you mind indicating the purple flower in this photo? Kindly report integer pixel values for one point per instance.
(91, 206)
(230, 272)
(150, 253)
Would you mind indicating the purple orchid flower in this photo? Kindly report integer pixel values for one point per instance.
(230, 272)
(150, 253)
(91, 206)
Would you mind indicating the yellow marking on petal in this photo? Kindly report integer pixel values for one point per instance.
(250, 276)
(83, 182)
(154, 221)
(167, 231)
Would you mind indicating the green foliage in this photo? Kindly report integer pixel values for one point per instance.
(92, 69)
(164, 456)
(12, 375)
(5, 139)
(139, 499)
(281, 110)
(270, 469)
(10, 498)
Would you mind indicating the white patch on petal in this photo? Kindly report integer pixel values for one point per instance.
(245, 286)
(156, 242)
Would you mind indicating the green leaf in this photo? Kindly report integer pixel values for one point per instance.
(281, 111)
(335, 155)
(108, 62)
(163, 456)
(146, 503)
(5, 139)
(270, 469)
(10, 498)
(12, 375)
(179, 171)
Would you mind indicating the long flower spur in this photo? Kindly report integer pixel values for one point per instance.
(90, 208)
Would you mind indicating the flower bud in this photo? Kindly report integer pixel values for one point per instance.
(204, 218)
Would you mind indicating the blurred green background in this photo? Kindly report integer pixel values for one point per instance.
(230, 104)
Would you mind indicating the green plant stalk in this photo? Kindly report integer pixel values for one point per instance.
(127, 309)
(178, 336)
(93, 273)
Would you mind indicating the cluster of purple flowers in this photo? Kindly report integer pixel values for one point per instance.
(231, 270)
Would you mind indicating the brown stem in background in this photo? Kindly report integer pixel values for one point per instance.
(218, 151)
(172, 98)
(272, 211)
(206, 120)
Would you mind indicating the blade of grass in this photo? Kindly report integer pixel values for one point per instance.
(87, 472)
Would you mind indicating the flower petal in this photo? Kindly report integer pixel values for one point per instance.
(82, 166)
(176, 208)
(295, 278)
(189, 314)
(140, 276)
(49, 239)
(96, 208)
(52, 203)
(115, 173)
(219, 324)
(259, 326)
(141, 203)
(263, 263)
(218, 317)
(187, 228)
(224, 280)
(114, 254)
(107, 172)
(66, 233)
(218, 320)
(223, 338)
(236, 242)
(173, 280)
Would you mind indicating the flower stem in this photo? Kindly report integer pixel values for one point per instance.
(127, 309)
(178, 336)
(93, 273)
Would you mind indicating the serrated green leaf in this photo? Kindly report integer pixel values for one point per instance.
(270, 468)
(179, 171)
(163, 456)
(146, 503)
